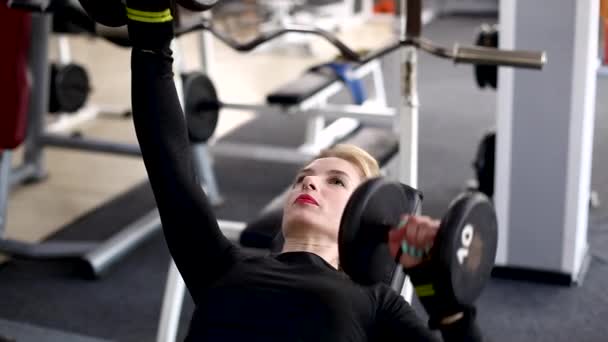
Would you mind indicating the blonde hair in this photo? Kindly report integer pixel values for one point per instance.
(367, 164)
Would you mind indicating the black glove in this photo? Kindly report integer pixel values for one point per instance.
(150, 24)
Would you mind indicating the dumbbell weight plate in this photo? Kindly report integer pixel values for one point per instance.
(373, 209)
(466, 247)
(464, 250)
(70, 88)
(201, 106)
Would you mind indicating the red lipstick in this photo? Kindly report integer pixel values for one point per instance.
(304, 198)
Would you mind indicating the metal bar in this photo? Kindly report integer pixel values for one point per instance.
(39, 96)
(50, 250)
(46, 250)
(260, 152)
(65, 57)
(91, 145)
(99, 260)
(67, 123)
(391, 47)
(263, 108)
(380, 91)
(514, 58)
(372, 115)
(203, 23)
(232, 229)
(407, 129)
(321, 96)
(407, 121)
(5, 171)
(175, 288)
(314, 127)
(483, 55)
(206, 47)
(334, 132)
(21, 174)
(173, 299)
(203, 164)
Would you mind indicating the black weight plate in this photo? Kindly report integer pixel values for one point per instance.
(202, 106)
(478, 69)
(72, 87)
(493, 74)
(466, 247)
(373, 209)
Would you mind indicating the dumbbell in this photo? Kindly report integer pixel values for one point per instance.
(460, 261)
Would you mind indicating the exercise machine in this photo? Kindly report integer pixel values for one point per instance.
(406, 126)
(94, 258)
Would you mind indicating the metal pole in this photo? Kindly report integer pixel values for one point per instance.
(203, 164)
(206, 47)
(175, 288)
(90, 145)
(407, 126)
(113, 249)
(5, 171)
(65, 57)
(39, 96)
(172, 305)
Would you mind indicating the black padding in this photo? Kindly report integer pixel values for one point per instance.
(374, 208)
(296, 91)
(382, 144)
(484, 163)
(263, 232)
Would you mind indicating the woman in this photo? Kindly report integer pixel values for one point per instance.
(297, 295)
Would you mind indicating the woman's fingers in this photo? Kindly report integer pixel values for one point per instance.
(415, 236)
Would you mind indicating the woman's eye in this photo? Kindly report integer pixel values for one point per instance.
(337, 181)
(299, 179)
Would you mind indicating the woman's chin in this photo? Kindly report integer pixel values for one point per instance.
(300, 220)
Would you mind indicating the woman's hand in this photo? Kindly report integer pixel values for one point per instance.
(415, 236)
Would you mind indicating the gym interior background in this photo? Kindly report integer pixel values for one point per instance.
(87, 195)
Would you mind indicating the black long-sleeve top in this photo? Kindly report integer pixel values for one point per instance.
(294, 296)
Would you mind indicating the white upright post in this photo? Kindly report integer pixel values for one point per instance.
(545, 137)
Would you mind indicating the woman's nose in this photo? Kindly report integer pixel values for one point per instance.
(308, 183)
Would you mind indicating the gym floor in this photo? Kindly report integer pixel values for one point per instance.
(125, 305)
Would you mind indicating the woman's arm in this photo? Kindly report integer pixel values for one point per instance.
(397, 320)
(197, 245)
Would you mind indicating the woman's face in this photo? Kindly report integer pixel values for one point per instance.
(318, 196)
